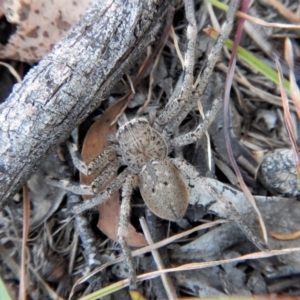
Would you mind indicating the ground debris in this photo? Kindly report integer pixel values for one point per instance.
(60, 251)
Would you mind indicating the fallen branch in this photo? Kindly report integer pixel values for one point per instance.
(70, 82)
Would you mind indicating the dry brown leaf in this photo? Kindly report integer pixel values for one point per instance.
(285, 237)
(40, 24)
(95, 142)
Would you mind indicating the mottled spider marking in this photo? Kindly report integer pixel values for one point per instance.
(139, 143)
(163, 189)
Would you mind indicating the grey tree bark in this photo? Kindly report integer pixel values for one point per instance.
(70, 82)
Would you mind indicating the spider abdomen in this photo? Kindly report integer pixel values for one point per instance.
(164, 189)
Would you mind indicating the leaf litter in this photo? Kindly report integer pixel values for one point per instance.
(56, 259)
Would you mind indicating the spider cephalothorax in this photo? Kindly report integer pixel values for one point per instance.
(139, 143)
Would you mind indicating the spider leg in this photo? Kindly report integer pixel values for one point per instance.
(87, 236)
(190, 172)
(176, 110)
(102, 160)
(82, 189)
(96, 165)
(175, 106)
(107, 173)
(197, 134)
(114, 186)
(74, 187)
(123, 225)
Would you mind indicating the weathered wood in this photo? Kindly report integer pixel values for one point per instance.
(70, 82)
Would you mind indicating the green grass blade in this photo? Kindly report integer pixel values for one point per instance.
(4, 293)
(258, 65)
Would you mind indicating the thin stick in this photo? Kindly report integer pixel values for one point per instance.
(26, 216)
(165, 278)
(149, 248)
